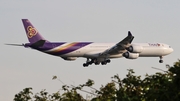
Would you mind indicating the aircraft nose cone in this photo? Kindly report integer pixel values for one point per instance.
(171, 50)
(168, 51)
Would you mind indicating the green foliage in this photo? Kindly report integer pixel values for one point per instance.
(44, 96)
(161, 86)
(24, 95)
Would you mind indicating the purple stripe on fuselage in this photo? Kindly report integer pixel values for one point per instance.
(49, 46)
(75, 47)
(46, 46)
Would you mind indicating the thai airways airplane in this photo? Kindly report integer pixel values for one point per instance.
(95, 53)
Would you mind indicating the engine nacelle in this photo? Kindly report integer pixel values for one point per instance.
(135, 49)
(69, 58)
(129, 55)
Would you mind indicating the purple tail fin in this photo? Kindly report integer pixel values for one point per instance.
(31, 32)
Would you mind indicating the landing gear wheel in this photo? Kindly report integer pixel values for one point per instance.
(85, 65)
(108, 61)
(96, 63)
(90, 63)
(160, 61)
(103, 63)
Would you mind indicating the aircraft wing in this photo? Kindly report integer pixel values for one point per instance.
(119, 47)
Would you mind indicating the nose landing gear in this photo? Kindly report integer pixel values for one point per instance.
(160, 61)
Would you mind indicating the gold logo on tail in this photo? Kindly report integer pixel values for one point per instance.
(31, 31)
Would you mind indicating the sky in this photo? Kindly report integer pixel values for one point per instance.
(81, 20)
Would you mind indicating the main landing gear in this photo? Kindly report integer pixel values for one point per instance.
(160, 61)
(95, 62)
(87, 63)
(105, 62)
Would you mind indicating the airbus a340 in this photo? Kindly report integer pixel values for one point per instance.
(95, 53)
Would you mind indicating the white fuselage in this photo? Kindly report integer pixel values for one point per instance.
(149, 50)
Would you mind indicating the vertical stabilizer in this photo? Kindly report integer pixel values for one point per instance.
(32, 33)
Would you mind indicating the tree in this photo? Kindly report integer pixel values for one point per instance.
(161, 86)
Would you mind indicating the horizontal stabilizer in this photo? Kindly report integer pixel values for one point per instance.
(15, 44)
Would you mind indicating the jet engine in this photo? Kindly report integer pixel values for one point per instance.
(135, 49)
(129, 55)
(69, 58)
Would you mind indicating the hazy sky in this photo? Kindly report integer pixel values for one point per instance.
(81, 20)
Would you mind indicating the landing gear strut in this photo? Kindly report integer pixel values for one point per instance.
(160, 61)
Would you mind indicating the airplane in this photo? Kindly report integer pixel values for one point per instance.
(95, 53)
